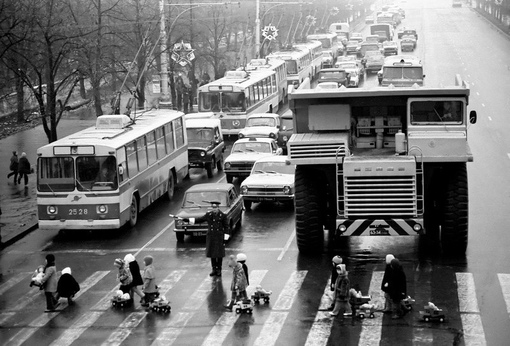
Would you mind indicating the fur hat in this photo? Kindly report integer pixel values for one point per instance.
(148, 260)
(119, 262)
(389, 257)
(129, 258)
(241, 257)
(337, 260)
(66, 270)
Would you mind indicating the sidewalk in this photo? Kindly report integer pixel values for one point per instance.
(19, 202)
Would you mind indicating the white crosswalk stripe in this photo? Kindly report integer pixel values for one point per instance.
(504, 281)
(371, 328)
(12, 282)
(469, 311)
(321, 328)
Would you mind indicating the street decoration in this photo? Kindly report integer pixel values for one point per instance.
(270, 32)
(334, 11)
(182, 53)
(310, 20)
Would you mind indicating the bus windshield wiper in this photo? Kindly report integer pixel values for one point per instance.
(84, 188)
(48, 185)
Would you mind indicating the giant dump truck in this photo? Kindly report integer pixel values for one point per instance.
(386, 162)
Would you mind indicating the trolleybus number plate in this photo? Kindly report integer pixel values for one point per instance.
(78, 211)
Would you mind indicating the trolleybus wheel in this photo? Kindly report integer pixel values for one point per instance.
(309, 231)
(171, 186)
(133, 212)
(454, 228)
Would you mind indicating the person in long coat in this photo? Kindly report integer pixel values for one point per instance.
(50, 282)
(134, 268)
(388, 305)
(67, 285)
(397, 287)
(23, 168)
(13, 166)
(217, 233)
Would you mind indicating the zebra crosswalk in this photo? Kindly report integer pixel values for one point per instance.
(21, 328)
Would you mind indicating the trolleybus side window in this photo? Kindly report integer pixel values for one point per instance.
(169, 138)
(179, 132)
(132, 161)
(141, 150)
(151, 148)
(160, 142)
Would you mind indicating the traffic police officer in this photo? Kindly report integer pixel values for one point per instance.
(217, 234)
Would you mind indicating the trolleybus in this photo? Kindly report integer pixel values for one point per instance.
(299, 63)
(277, 65)
(103, 176)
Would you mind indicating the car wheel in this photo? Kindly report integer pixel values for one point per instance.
(209, 168)
(133, 211)
(230, 178)
(247, 204)
(180, 237)
(219, 164)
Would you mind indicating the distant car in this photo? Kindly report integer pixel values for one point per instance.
(407, 32)
(205, 144)
(336, 75)
(261, 125)
(327, 86)
(196, 202)
(369, 46)
(356, 36)
(286, 129)
(352, 47)
(369, 20)
(390, 48)
(373, 61)
(355, 70)
(372, 38)
(271, 179)
(245, 152)
(456, 3)
(327, 59)
(408, 43)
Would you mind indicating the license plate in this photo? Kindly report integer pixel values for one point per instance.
(199, 234)
(379, 231)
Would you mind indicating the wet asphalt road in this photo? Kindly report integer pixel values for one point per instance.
(474, 290)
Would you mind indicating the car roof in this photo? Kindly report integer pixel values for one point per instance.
(210, 187)
(275, 158)
(258, 139)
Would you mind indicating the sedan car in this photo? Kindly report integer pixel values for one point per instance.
(408, 43)
(355, 70)
(271, 179)
(390, 48)
(245, 152)
(261, 125)
(373, 61)
(286, 129)
(197, 201)
(335, 75)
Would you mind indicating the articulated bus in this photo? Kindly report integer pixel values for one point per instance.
(299, 60)
(330, 47)
(103, 176)
(277, 65)
(237, 95)
(315, 48)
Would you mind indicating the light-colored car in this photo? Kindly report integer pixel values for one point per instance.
(245, 152)
(355, 70)
(408, 43)
(197, 201)
(373, 61)
(356, 36)
(369, 20)
(326, 86)
(261, 125)
(271, 179)
(390, 48)
(335, 75)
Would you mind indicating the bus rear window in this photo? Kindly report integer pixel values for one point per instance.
(55, 174)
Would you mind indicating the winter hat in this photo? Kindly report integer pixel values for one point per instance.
(389, 257)
(148, 260)
(118, 262)
(50, 258)
(395, 264)
(129, 258)
(241, 257)
(337, 260)
(342, 269)
(66, 270)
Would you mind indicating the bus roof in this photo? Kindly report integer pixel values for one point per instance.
(115, 137)
(240, 79)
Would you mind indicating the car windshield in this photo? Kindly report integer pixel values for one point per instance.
(55, 174)
(260, 147)
(287, 124)
(291, 67)
(261, 122)
(273, 168)
(199, 135)
(202, 199)
(430, 112)
(328, 75)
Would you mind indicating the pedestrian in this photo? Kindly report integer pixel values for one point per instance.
(335, 261)
(23, 168)
(50, 282)
(342, 287)
(186, 98)
(124, 276)
(388, 306)
(134, 268)
(238, 285)
(217, 234)
(149, 288)
(67, 286)
(397, 288)
(14, 167)
(241, 258)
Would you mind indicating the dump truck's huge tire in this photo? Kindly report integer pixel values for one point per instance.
(309, 230)
(454, 228)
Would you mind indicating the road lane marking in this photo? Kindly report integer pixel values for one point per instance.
(504, 282)
(469, 311)
(371, 328)
(154, 238)
(274, 323)
(226, 322)
(172, 330)
(44, 318)
(489, 118)
(287, 245)
(422, 275)
(13, 281)
(321, 327)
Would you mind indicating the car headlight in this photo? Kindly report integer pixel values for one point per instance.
(102, 209)
(285, 138)
(286, 190)
(51, 209)
(244, 189)
(227, 165)
(241, 135)
(202, 153)
(272, 135)
(236, 123)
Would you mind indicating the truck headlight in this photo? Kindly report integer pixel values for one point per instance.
(227, 165)
(244, 189)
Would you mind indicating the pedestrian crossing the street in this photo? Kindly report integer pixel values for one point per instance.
(463, 314)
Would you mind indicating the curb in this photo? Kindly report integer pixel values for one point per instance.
(18, 236)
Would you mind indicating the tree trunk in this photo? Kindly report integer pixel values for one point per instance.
(83, 91)
(20, 95)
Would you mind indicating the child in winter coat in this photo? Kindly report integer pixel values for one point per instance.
(150, 289)
(124, 276)
(241, 258)
(49, 282)
(238, 286)
(342, 287)
(388, 306)
(137, 277)
(67, 286)
(335, 261)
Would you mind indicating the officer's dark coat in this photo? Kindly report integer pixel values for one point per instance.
(217, 226)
